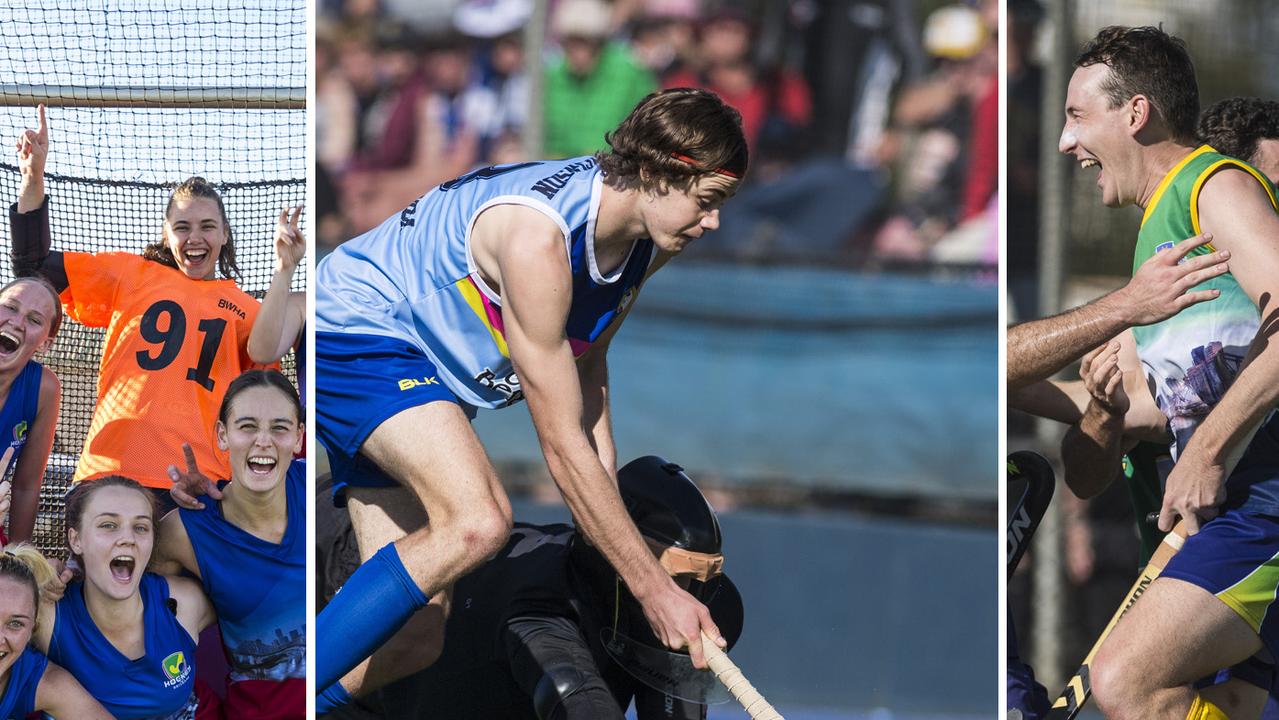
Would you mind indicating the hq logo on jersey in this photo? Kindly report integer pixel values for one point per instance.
(20, 432)
(176, 669)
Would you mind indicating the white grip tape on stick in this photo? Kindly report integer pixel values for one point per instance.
(729, 674)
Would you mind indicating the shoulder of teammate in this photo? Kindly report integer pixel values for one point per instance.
(1239, 210)
(42, 638)
(50, 385)
(194, 611)
(174, 551)
(297, 472)
(59, 692)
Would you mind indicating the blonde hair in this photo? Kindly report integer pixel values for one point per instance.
(24, 563)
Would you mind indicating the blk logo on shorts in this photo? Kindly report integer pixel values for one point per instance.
(410, 383)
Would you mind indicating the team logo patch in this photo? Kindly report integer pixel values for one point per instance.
(175, 665)
(1127, 465)
(20, 431)
(1164, 246)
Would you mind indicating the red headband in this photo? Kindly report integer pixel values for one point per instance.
(718, 171)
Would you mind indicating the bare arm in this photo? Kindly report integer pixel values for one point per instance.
(29, 474)
(596, 419)
(29, 217)
(1160, 289)
(1092, 448)
(593, 377)
(60, 695)
(1235, 209)
(173, 552)
(194, 612)
(33, 149)
(536, 285)
(1063, 401)
(279, 320)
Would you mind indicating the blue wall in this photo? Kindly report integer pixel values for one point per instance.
(874, 383)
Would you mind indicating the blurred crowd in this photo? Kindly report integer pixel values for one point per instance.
(872, 124)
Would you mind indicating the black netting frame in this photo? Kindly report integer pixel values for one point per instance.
(142, 94)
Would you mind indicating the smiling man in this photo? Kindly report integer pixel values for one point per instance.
(1212, 371)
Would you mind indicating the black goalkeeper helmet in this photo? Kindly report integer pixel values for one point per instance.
(682, 530)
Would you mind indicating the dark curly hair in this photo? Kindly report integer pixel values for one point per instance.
(673, 137)
(1236, 126)
(194, 187)
(1148, 61)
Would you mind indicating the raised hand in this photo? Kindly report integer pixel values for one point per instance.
(290, 244)
(192, 483)
(33, 148)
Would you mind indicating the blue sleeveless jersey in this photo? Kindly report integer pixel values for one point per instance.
(258, 588)
(19, 411)
(413, 278)
(19, 698)
(160, 685)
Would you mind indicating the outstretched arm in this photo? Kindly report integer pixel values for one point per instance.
(1160, 289)
(536, 287)
(60, 695)
(1238, 212)
(279, 321)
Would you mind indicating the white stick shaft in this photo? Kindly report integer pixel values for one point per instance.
(729, 674)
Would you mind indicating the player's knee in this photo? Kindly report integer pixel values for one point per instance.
(1117, 691)
(558, 686)
(483, 532)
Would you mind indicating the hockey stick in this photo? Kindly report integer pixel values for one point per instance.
(1079, 687)
(729, 674)
(1040, 483)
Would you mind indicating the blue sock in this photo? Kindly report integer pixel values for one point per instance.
(331, 699)
(375, 602)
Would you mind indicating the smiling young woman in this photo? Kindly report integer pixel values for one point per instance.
(126, 634)
(29, 682)
(30, 316)
(249, 549)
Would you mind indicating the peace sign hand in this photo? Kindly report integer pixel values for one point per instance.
(290, 244)
(187, 485)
